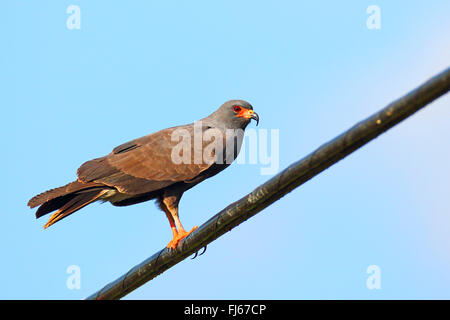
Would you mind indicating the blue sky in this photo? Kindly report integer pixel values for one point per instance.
(311, 69)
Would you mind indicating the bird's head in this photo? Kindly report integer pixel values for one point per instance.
(235, 114)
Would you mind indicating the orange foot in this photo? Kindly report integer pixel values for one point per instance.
(180, 236)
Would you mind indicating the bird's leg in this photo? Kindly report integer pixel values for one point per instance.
(172, 224)
(181, 232)
(170, 206)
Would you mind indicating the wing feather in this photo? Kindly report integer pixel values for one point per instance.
(142, 165)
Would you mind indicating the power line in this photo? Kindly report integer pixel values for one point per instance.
(275, 188)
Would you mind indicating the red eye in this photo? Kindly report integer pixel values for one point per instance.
(236, 108)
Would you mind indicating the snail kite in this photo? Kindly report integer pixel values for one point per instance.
(160, 166)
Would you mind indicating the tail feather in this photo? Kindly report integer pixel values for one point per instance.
(61, 191)
(78, 201)
(54, 204)
(67, 199)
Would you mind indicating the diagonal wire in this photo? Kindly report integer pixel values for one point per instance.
(279, 185)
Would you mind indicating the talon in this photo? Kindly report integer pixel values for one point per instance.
(196, 254)
(180, 236)
(204, 250)
(172, 244)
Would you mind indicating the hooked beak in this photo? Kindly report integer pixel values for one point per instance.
(255, 117)
(249, 114)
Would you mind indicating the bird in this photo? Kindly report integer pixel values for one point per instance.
(160, 166)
